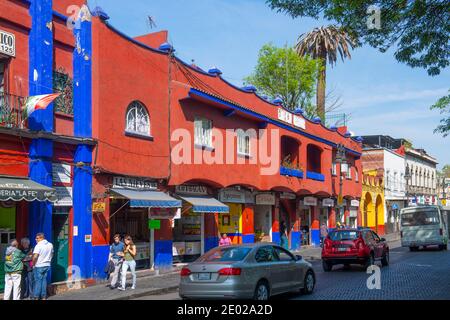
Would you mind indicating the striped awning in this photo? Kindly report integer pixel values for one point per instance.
(148, 199)
(206, 205)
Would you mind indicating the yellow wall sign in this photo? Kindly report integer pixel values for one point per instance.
(99, 207)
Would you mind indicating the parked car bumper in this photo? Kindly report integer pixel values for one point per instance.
(226, 290)
(418, 243)
(339, 259)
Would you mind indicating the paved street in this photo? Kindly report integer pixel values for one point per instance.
(411, 276)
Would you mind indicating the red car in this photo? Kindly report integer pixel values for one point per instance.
(354, 246)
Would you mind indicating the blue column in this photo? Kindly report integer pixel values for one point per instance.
(82, 182)
(41, 82)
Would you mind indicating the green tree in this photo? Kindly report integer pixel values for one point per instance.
(443, 105)
(282, 72)
(418, 29)
(324, 44)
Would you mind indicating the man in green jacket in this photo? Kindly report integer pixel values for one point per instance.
(13, 271)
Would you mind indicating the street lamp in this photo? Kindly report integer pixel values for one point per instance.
(407, 177)
(341, 158)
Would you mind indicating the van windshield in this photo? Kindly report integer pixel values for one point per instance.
(420, 217)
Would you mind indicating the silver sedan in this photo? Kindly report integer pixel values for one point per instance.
(248, 271)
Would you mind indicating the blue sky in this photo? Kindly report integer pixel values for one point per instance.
(381, 95)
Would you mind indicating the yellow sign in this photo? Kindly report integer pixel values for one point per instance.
(340, 200)
(99, 207)
(444, 202)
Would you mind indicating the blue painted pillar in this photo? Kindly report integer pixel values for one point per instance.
(82, 181)
(41, 82)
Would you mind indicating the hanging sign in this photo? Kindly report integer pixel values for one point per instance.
(7, 44)
(162, 213)
(231, 196)
(354, 203)
(154, 224)
(310, 201)
(98, 207)
(134, 183)
(192, 190)
(61, 173)
(328, 203)
(267, 199)
(64, 197)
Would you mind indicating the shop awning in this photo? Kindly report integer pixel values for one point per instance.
(148, 199)
(206, 205)
(17, 189)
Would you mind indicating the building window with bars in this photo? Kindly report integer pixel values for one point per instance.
(138, 120)
(203, 132)
(63, 84)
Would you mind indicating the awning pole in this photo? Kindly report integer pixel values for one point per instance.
(119, 209)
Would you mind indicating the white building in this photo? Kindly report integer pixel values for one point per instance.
(422, 186)
(392, 164)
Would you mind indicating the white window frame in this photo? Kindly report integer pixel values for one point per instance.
(334, 169)
(356, 175)
(137, 120)
(203, 132)
(243, 143)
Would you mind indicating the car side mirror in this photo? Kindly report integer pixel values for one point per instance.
(299, 257)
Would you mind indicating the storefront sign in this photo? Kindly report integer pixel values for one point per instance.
(287, 195)
(133, 183)
(354, 203)
(161, 213)
(154, 224)
(328, 203)
(61, 173)
(7, 43)
(265, 199)
(88, 238)
(231, 196)
(353, 213)
(284, 116)
(64, 197)
(99, 207)
(310, 201)
(192, 190)
(299, 122)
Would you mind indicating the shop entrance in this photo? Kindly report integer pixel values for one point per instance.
(60, 229)
(263, 223)
(7, 233)
(323, 217)
(305, 221)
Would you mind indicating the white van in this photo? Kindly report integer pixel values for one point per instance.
(424, 226)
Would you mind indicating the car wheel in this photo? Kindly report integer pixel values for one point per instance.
(442, 247)
(446, 247)
(262, 291)
(346, 266)
(370, 261)
(385, 259)
(327, 266)
(309, 283)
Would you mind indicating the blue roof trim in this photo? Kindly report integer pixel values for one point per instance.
(315, 176)
(267, 119)
(208, 209)
(138, 43)
(155, 204)
(212, 75)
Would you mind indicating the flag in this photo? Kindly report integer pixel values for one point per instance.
(40, 102)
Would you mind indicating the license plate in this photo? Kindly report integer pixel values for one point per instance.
(204, 276)
(342, 249)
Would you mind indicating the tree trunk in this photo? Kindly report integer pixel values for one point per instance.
(321, 86)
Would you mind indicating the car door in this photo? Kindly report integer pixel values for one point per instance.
(379, 246)
(291, 273)
(369, 240)
(268, 268)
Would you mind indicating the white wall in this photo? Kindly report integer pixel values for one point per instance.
(394, 173)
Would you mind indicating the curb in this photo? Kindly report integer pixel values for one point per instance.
(153, 292)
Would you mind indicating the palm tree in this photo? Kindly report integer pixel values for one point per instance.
(325, 43)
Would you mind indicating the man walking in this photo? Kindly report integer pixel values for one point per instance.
(27, 273)
(13, 271)
(42, 259)
(116, 256)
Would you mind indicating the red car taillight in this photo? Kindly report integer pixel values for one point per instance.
(230, 272)
(185, 272)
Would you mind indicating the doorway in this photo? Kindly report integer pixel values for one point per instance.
(305, 221)
(60, 261)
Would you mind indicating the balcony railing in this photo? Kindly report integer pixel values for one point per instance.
(11, 113)
(284, 171)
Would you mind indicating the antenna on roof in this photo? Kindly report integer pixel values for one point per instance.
(151, 22)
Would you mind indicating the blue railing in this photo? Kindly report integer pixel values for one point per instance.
(291, 172)
(315, 176)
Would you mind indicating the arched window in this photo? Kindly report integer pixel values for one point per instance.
(137, 120)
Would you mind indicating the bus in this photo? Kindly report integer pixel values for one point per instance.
(424, 226)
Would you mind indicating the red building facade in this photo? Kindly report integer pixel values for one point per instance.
(235, 162)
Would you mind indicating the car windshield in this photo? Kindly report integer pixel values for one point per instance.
(344, 235)
(231, 254)
(420, 217)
